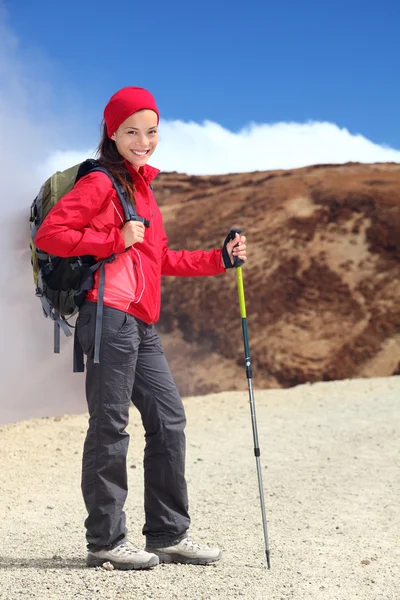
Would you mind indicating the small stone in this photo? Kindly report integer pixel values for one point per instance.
(57, 418)
(133, 466)
(50, 507)
(107, 566)
(365, 561)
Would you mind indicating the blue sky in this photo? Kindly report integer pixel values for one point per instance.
(229, 62)
(241, 86)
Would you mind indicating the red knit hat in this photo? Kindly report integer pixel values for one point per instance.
(124, 103)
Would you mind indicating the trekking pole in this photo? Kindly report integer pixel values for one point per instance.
(242, 305)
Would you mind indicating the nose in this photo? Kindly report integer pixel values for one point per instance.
(142, 139)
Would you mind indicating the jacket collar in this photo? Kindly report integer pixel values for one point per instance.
(147, 172)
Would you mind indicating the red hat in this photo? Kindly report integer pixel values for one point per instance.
(124, 103)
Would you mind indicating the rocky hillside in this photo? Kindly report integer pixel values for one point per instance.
(322, 282)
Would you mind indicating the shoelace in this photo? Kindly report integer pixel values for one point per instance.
(189, 544)
(126, 548)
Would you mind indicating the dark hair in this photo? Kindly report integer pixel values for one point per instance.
(109, 158)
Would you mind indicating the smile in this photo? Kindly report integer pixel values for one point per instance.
(140, 153)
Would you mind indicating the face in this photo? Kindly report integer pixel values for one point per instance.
(137, 137)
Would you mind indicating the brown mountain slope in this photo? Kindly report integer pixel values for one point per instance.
(322, 282)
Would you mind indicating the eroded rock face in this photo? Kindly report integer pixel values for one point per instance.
(322, 282)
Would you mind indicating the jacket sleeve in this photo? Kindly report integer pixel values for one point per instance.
(186, 263)
(64, 230)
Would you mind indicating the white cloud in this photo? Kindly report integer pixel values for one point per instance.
(211, 149)
(34, 381)
(208, 148)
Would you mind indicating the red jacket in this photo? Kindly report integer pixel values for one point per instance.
(88, 219)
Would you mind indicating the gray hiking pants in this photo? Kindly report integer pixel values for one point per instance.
(132, 368)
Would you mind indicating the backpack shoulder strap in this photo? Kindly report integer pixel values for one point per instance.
(90, 165)
(129, 211)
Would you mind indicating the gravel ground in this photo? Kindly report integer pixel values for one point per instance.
(330, 461)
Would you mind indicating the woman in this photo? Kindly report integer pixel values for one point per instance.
(89, 220)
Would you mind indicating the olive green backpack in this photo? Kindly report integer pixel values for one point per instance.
(61, 283)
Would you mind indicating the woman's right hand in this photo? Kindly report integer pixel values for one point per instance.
(133, 233)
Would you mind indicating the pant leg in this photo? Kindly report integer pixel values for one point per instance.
(163, 416)
(108, 392)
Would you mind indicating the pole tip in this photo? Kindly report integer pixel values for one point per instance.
(268, 559)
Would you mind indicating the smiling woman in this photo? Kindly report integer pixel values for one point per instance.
(128, 364)
(137, 137)
(130, 137)
(135, 141)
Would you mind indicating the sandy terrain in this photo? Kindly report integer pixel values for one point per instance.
(330, 461)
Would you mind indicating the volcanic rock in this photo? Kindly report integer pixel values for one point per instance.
(322, 281)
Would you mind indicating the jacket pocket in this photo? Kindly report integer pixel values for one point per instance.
(140, 278)
(121, 281)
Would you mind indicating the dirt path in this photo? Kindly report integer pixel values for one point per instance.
(330, 461)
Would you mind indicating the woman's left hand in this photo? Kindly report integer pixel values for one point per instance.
(239, 250)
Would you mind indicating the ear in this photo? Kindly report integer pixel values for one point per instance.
(113, 136)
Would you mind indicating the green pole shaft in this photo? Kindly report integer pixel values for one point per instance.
(242, 303)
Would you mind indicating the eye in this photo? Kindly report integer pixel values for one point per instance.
(131, 132)
(153, 131)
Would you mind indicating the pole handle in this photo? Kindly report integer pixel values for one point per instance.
(231, 236)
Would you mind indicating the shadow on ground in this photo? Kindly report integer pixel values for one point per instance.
(41, 563)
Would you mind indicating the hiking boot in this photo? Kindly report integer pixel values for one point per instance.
(125, 556)
(188, 552)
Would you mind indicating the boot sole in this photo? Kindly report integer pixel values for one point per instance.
(92, 561)
(165, 558)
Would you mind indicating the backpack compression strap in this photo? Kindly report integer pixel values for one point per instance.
(59, 322)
